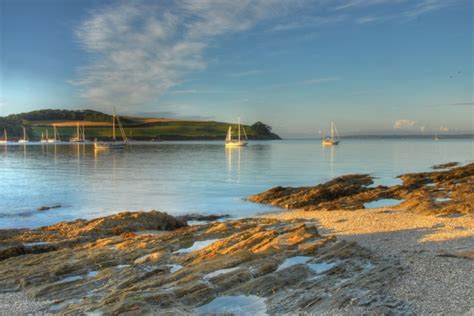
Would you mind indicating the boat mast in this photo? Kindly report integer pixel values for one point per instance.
(238, 123)
(332, 130)
(24, 133)
(55, 133)
(5, 134)
(113, 126)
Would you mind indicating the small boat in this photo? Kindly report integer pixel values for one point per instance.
(436, 137)
(5, 137)
(114, 144)
(44, 137)
(25, 138)
(331, 141)
(229, 142)
(80, 136)
(56, 138)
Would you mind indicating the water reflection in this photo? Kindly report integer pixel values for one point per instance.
(233, 154)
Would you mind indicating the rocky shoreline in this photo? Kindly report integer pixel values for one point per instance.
(328, 256)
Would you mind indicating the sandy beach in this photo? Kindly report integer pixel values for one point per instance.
(436, 278)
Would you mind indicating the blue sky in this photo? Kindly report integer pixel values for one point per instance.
(391, 66)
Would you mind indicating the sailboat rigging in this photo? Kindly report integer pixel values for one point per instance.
(239, 142)
(114, 144)
(5, 137)
(80, 135)
(25, 137)
(331, 141)
(56, 138)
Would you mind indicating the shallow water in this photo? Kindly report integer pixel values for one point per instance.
(289, 262)
(198, 245)
(191, 177)
(235, 305)
(382, 203)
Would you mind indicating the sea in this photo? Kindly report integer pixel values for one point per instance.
(192, 177)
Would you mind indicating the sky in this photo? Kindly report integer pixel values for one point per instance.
(372, 66)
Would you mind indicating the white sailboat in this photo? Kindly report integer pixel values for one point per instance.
(44, 137)
(25, 138)
(5, 137)
(239, 142)
(56, 138)
(114, 144)
(80, 136)
(331, 141)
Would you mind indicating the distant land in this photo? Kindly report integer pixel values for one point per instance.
(98, 125)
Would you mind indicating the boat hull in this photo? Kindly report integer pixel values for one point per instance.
(236, 144)
(103, 145)
(330, 142)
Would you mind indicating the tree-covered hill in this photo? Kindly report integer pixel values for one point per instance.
(98, 126)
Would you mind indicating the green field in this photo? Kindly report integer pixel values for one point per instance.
(165, 130)
(97, 125)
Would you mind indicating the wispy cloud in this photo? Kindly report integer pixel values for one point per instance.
(307, 22)
(142, 49)
(426, 6)
(246, 73)
(404, 124)
(314, 81)
(201, 91)
(463, 104)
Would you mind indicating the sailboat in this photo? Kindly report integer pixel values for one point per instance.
(80, 136)
(24, 139)
(5, 137)
(331, 141)
(44, 137)
(239, 142)
(56, 138)
(114, 144)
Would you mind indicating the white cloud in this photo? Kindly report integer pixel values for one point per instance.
(140, 49)
(143, 49)
(404, 124)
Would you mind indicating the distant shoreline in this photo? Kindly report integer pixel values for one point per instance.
(377, 137)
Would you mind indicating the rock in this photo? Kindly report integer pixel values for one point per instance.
(445, 165)
(439, 192)
(178, 271)
(68, 234)
(201, 217)
(45, 208)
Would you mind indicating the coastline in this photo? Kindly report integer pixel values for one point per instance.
(321, 256)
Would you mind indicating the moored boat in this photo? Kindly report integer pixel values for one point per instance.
(239, 142)
(114, 144)
(25, 138)
(331, 141)
(5, 137)
(80, 135)
(56, 138)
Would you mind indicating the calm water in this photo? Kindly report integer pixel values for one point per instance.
(183, 177)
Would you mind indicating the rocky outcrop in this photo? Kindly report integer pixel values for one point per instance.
(438, 192)
(15, 242)
(250, 264)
